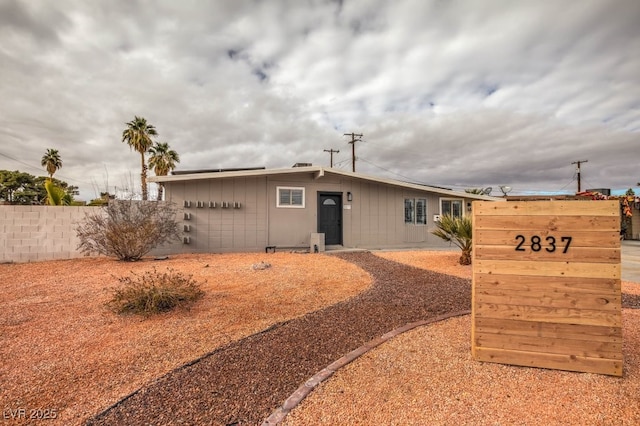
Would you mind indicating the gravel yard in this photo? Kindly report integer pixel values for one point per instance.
(427, 377)
(63, 350)
(242, 383)
(65, 354)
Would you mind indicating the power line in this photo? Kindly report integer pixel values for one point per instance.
(353, 148)
(21, 162)
(578, 171)
(331, 151)
(391, 171)
(40, 169)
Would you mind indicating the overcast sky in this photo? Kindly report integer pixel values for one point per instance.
(462, 94)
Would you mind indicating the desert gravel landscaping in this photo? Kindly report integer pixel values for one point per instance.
(63, 350)
(427, 376)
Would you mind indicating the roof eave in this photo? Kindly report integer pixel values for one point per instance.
(319, 172)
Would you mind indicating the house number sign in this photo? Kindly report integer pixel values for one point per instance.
(549, 244)
(546, 288)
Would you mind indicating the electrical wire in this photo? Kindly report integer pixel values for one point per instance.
(40, 169)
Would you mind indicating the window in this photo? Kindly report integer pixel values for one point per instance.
(451, 207)
(415, 211)
(291, 197)
(421, 211)
(408, 210)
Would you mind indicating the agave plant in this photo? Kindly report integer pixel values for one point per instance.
(456, 230)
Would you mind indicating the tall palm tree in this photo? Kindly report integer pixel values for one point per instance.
(51, 161)
(162, 160)
(138, 136)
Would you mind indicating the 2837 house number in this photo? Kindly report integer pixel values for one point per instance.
(549, 244)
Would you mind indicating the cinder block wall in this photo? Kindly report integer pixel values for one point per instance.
(32, 233)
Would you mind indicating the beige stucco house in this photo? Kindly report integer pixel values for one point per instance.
(256, 209)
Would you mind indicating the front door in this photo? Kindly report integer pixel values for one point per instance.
(330, 217)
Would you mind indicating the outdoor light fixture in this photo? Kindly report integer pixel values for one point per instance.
(468, 207)
(349, 196)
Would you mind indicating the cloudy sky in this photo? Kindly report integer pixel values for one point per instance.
(462, 94)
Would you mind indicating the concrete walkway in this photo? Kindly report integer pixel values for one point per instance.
(631, 260)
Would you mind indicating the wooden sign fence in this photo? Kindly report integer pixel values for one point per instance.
(546, 285)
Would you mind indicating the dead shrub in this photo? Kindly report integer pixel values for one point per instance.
(128, 229)
(154, 292)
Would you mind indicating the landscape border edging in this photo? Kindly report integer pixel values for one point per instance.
(305, 389)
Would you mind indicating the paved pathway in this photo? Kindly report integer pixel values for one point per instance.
(631, 260)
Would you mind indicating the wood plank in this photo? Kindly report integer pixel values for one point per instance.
(547, 314)
(603, 239)
(556, 361)
(552, 330)
(548, 269)
(555, 284)
(558, 224)
(585, 348)
(581, 254)
(591, 301)
(547, 208)
(538, 301)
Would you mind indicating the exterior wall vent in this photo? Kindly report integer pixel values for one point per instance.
(186, 240)
(187, 228)
(187, 216)
(187, 204)
(224, 205)
(200, 204)
(237, 205)
(212, 204)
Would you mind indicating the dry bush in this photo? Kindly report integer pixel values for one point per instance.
(154, 292)
(128, 229)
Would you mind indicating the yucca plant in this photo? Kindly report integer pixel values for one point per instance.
(456, 230)
(56, 196)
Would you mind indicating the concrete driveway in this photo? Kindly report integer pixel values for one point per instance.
(631, 260)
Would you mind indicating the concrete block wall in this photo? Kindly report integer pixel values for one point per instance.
(33, 233)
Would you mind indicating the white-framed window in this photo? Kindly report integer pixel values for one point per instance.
(290, 197)
(452, 207)
(415, 211)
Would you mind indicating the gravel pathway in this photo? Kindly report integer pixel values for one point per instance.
(243, 382)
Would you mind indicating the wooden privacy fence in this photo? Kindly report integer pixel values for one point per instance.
(546, 285)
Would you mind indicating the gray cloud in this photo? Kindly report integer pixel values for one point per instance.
(445, 93)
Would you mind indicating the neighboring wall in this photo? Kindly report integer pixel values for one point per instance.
(30, 233)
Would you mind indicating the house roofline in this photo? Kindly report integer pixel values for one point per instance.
(319, 172)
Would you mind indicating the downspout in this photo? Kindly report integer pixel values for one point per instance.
(266, 189)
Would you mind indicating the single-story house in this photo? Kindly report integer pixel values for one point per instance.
(257, 209)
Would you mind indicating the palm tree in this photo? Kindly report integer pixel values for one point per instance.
(162, 160)
(51, 161)
(457, 230)
(138, 136)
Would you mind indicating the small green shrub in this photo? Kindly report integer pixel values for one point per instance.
(154, 292)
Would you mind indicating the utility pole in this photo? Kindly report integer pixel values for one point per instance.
(578, 171)
(353, 148)
(331, 151)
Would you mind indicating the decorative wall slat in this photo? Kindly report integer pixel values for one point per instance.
(546, 285)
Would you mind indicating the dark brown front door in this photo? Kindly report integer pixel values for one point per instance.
(330, 217)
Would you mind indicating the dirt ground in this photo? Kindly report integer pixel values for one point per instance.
(65, 356)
